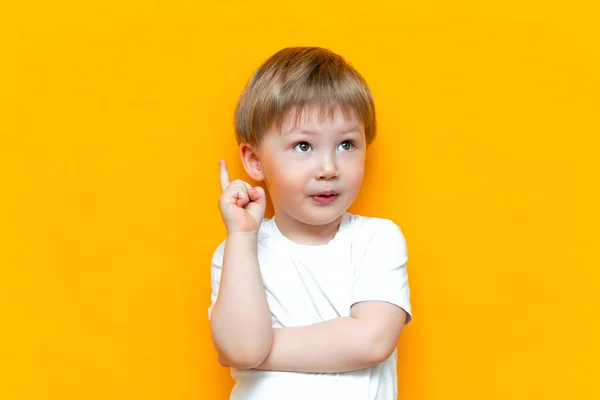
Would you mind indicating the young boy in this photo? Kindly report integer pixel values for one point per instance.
(309, 304)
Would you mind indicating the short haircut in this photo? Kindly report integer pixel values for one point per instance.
(298, 77)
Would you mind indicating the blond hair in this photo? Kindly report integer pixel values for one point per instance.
(297, 77)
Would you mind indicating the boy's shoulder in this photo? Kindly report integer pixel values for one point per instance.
(371, 232)
(370, 221)
(369, 226)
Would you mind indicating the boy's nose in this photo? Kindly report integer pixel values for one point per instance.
(327, 169)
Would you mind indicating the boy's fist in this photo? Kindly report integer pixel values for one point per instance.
(242, 206)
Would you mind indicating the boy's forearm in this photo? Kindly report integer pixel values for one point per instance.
(241, 319)
(338, 345)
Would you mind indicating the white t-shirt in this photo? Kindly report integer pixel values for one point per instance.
(308, 284)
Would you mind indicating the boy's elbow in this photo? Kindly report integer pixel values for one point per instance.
(247, 359)
(244, 353)
(380, 347)
(244, 350)
(379, 353)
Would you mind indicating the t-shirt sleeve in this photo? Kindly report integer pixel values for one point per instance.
(381, 275)
(215, 275)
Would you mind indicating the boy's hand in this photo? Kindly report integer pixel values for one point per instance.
(242, 206)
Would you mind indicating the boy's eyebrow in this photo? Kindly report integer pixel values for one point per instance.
(347, 129)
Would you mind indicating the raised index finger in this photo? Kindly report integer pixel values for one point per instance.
(223, 174)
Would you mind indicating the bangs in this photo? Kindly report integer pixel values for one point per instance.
(297, 80)
(298, 114)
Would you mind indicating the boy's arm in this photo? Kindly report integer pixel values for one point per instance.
(367, 337)
(241, 324)
(240, 319)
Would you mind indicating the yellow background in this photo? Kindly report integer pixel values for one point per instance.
(113, 115)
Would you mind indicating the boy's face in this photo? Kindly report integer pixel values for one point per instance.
(314, 169)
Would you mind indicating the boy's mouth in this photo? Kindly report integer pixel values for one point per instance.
(327, 193)
(325, 197)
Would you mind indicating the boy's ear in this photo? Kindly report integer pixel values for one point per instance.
(251, 162)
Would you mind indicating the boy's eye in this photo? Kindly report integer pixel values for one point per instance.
(302, 147)
(346, 145)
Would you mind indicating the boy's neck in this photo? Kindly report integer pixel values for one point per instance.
(305, 234)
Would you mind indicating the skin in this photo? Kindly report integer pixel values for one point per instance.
(296, 161)
(241, 310)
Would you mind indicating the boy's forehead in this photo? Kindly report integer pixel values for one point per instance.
(315, 119)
